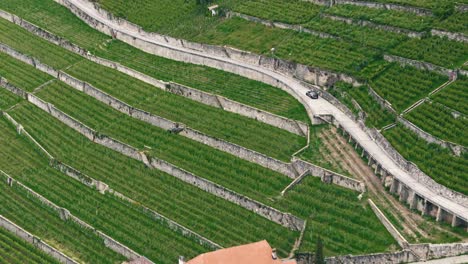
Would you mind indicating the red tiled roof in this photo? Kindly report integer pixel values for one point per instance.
(254, 253)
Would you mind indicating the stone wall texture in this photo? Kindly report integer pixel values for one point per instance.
(450, 35)
(327, 175)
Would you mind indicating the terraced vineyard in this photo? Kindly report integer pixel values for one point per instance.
(441, 122)
(440, 163)
(439, 51)
(401, 94)
(385, 17)
(174, 190)
(15, 250)
(229, 85)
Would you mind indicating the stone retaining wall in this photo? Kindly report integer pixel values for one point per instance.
(418, 64)
(66, 215)
(435, 251)
(231, 148)
(303, 72)
(241, 152)
(35, 241)
(380, 100)
(285, 219)
(404, 256)
(268, 23)
(450, 35)
(415, 171)
(457, 149)
(293, 126)
(204, 97)
(103, 188)
(327, 175)
(402, 242)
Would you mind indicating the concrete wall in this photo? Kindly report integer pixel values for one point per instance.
(457, 149)
(35, 241)
(418, 64)
(366, 23)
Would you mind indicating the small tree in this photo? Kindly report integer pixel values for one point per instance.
(319, 259)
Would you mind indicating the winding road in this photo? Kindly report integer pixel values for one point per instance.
(296, 88)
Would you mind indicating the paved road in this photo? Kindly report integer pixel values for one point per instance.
(314, 107)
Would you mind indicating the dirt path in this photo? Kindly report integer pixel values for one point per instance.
(412, 223)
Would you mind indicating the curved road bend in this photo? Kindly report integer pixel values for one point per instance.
(314, 107)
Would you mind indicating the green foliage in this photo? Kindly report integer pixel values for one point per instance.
(439, 51)
(439, 121)
(207, 79)
(21, 74)
(376, 115)
(404, 86)
(454, 96)
(400, 19)
(292, 12)
(454, 23)
(17, 251)
(24, 42)
(346, 224)
(216, 122)
(215, 165)
(319, 258)
(360, 35)
(7, 99)
(437, 162)
(214, 218)
(122, 221)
